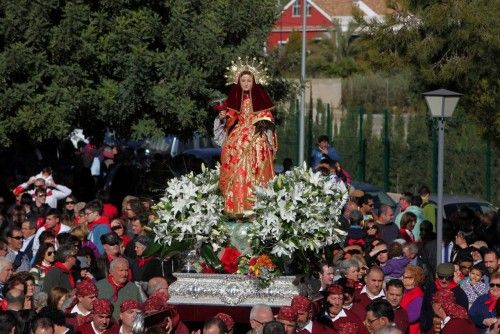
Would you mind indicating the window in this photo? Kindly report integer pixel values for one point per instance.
(296, 7)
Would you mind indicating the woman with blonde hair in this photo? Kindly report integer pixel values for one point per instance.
(81, 232)
(413, 278)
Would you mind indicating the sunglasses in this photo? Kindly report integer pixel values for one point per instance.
(353, 251)
(382, 251)
(448, 278)
(494, 285)
(70, 202)
(50, 253)
(41, 195)
(117, 227)
(373, 227)
(18, 238)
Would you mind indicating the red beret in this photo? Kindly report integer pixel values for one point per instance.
(102, 306)
(156, 302)
(301, 304)
(287, 313)
(226, 319)
(129, 304)
(86, 288)
(335, 289)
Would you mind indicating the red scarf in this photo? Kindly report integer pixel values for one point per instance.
(55, 229)
(142, 261)
(66, 270)
(450, 286)
(116, 287)
(491, 302)
(44, 267)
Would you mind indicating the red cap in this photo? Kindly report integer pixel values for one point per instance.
(301, 304)
(287, 313)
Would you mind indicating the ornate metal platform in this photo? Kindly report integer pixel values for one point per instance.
(230, 290)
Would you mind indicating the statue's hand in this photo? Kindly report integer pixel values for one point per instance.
(263, 126)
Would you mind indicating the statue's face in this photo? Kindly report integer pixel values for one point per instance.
(246, 82)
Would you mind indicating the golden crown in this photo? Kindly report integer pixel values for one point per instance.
(252, 65)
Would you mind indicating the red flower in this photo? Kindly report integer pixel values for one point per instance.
(206, 269)
(230, 260)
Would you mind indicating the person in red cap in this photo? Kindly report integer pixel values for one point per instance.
(304, 308)
(128, 312)
(85, 294)
(228, 321)
(288, 317)
(338, 318)
(101, 322)
(157, 302)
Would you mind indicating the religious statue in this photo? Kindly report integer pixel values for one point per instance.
(249, 150)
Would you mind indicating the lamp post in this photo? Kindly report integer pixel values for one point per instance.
(441, 104)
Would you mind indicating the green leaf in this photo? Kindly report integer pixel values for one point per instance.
(208, 255)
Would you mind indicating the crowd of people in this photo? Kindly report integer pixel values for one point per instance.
(80, 266)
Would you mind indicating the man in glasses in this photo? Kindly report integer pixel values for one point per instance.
(379, 314)
(20, 261)
(444, 280)
(366, 205)
(44, 181)
(259, 315)
(482, 311)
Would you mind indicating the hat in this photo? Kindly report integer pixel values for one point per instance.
(84, 262)
(301, 304)
(143, 240)
(335, 289)
(377, 249)
(110, 239)
(102, 306)
(226, 319)
(86, 288)
(129, 304)
(156, 302)
(445, 269)
(287, 313)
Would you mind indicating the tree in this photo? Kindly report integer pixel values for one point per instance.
(141, 67)
(452, 44)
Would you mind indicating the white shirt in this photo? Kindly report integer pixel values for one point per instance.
(36, 243)
(77, 310)
(341, 314)
(380, 294)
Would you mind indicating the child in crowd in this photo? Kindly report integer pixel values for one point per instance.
(395, 266)
(473, 285)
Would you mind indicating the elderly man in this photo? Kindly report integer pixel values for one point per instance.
(60, 275)
(6, 271)
(288, 318)
(259, 315)
(304, 308)
(335, 316)
(117, 287)
(388, 230)
(86, 293)
(128, 312)
(379, 314)
(482, 311)
(372, 290)
(101, 322)
(157, 284)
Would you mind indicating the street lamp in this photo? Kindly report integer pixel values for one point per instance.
(441, 104)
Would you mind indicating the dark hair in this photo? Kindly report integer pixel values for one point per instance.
(273, 327)
(65, 252)
(464, 258)
(94, 206)
(40, 254)
(395, 249)
(407, 196)
(480, 266)
(53, 212)
(136, 206)
(416, 201)
(395, 283)
(45, 235)
(11, 229)
(424, 190)
(42, 323)
(491, 251)
(381, 308)
(8, 322)
(103, 196)
(55, 295)
(406, 218)
(12, 283)
(323, 138)
(356, 217)
(364, 199)
(26, 199)
(19, 299)
(24, 276)
(67, 239)
(215, 322)
(53, 313)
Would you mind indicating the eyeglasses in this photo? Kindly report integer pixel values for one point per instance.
(70, 202)
(50, 253)
(117, 227)
(353, 251)
(445, 277)
(407, 277)
(373, 227)
(41, 195)
(88, 213)
(18, 238)
(494, 285)
(371, 321)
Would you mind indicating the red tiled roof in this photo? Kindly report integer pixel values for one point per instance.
(345, 7)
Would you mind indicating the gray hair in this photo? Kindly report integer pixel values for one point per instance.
(15, 296)
(40, 300)
(117, 261)
(4, 262)
(389, 330)
(412, 247)
(63, 253)
(257, 308)
(153, 285)
(344, 265)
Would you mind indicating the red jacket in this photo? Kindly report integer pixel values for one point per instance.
(318, 328)
(87, 329)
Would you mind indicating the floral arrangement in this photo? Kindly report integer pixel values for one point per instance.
(190, 214)
(297, 212)
(260, 267)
